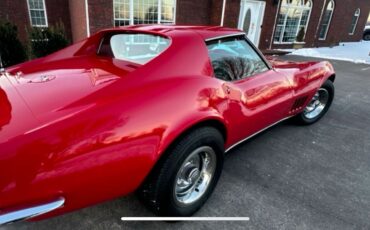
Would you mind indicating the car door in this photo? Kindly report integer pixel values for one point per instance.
(257, 95)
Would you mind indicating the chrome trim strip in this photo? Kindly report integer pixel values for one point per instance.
(225, 36)
(254, 134)
(33, 211)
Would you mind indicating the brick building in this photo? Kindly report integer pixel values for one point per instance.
(269, 23)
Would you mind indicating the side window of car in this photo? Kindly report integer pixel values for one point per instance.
(233, 59)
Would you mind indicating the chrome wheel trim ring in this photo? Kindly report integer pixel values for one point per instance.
(317, 104)
(195, 175)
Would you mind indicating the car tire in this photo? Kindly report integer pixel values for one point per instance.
(318, 106)
(186, 175)
(367, 36)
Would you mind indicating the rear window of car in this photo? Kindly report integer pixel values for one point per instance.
(136, 48)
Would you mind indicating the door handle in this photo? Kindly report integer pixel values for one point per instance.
(228, 90)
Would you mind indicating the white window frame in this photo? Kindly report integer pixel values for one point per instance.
(357, 15)
(45, 15)
(131, 13)
(289, 6)
(329, 22)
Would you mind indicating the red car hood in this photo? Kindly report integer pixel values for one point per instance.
(50, 87)
(5, 106)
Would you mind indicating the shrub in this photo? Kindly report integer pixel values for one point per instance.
(44, 41)
(300, 35)
(11, 49)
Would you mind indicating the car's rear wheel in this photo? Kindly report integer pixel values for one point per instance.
(318, 106)
(183, 180)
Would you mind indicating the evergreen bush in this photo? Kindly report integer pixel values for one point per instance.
(44, 41)
(11, 49)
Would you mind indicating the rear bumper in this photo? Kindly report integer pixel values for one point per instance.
(31, 211)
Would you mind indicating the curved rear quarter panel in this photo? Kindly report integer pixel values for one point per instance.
(108, 148)
(103, 152)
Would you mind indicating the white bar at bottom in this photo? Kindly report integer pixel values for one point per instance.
(185, 219)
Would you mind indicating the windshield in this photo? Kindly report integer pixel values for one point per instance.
(137, 48)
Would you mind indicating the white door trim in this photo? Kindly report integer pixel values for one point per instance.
(261, 15)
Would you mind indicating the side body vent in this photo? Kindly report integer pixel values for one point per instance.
(299, 102)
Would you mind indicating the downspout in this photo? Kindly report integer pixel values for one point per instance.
(223, 13)
(2, 69)
(87, 18)
(273, 29)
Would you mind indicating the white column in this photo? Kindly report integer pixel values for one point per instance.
(223, 12)
(87, 18)
(159, 11)
(131, 12)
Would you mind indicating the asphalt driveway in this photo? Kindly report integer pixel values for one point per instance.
(289, 177)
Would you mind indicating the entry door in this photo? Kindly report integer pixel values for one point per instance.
(257, 95)
(250, 19)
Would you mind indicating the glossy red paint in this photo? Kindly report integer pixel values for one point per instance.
(91, 128)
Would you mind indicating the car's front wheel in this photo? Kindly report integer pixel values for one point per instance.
(319, 104)
(184, 179)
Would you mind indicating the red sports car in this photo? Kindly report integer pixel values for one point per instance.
(151, 109)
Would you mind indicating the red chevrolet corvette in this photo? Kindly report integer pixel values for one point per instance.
(150, 109)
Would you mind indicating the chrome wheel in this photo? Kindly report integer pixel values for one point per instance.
(317, 104)
(195, 175)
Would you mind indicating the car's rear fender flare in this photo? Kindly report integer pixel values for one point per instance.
(181, 130)
(165, 149)
(210, 121)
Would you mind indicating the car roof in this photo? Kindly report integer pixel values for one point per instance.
(206, 32)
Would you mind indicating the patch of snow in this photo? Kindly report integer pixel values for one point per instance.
(357, 52)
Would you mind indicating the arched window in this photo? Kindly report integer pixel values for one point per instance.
(130, 12)
(292, 20)
(354, 21)
(325, 23)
